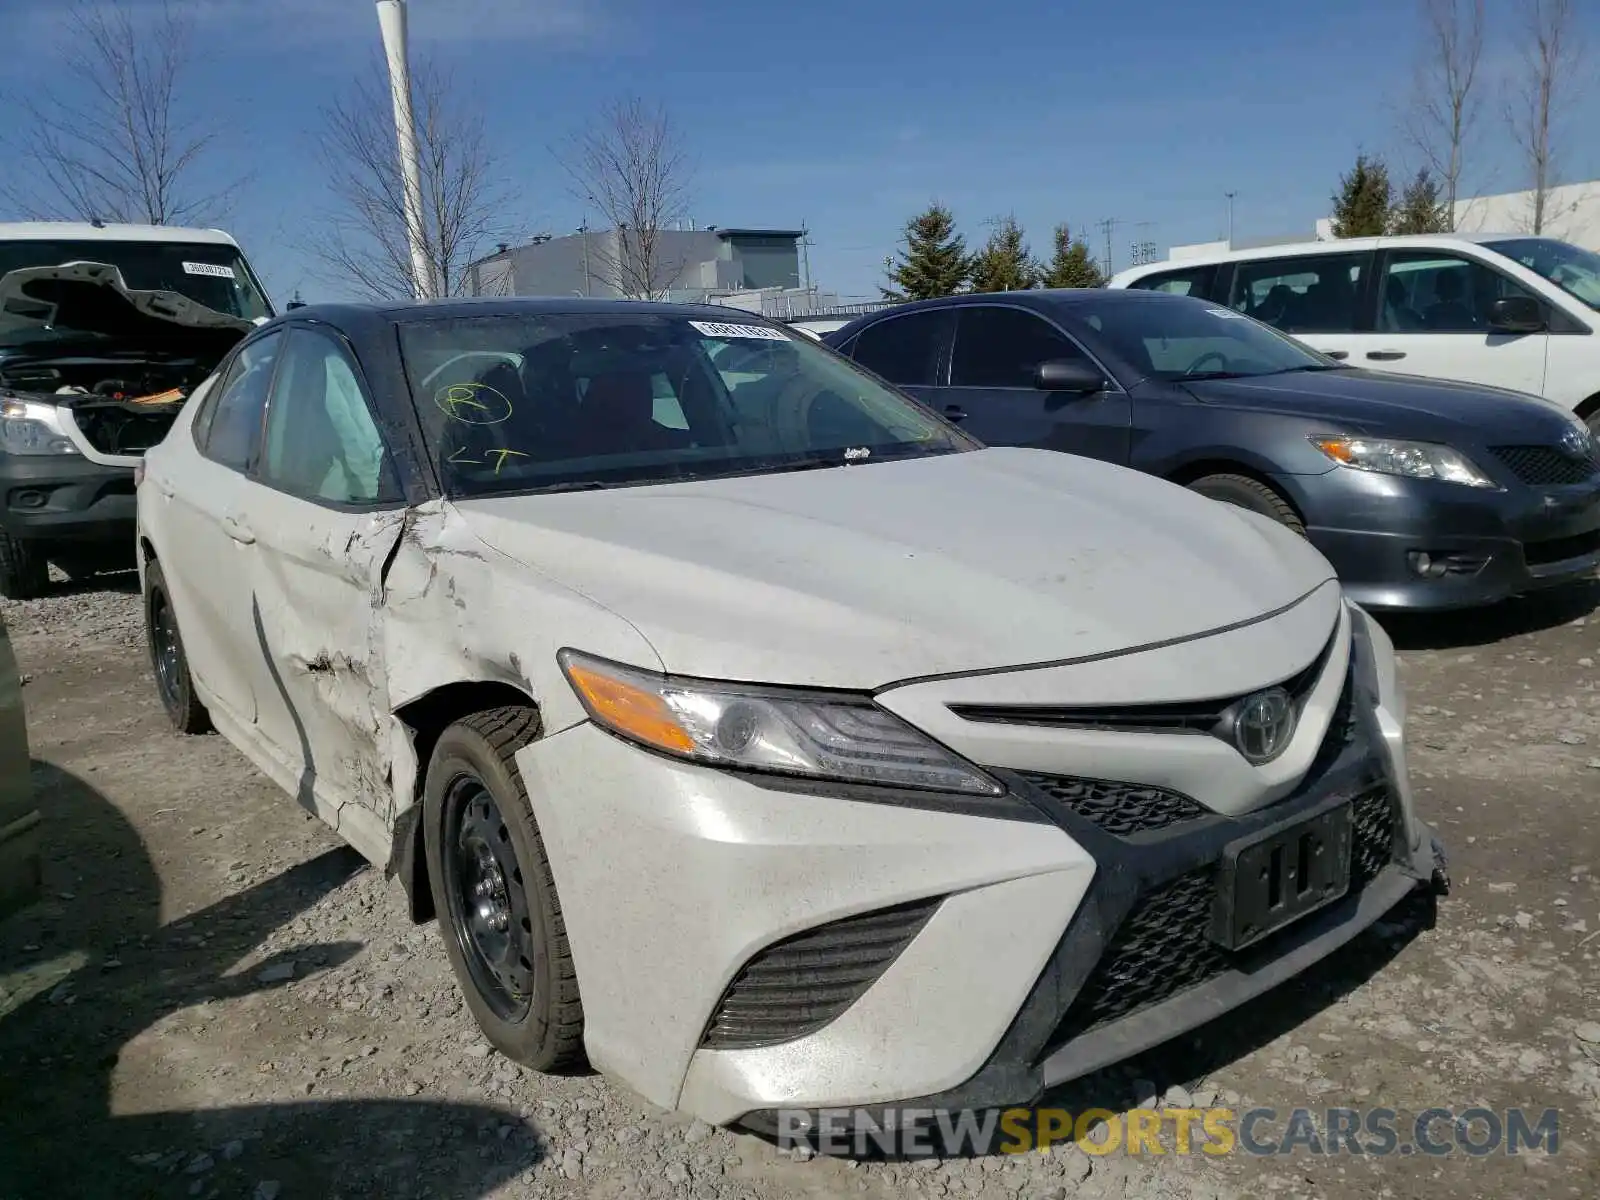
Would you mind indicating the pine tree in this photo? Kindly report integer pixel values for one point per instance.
(1361, 205)
(934, 262)
(1421, 208)
(1004, 264)
(1071, 266)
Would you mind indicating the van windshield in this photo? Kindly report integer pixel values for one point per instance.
(213, 274)
(558, 401)
(1571, 268)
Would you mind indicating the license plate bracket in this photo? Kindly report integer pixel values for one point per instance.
(1275, 878)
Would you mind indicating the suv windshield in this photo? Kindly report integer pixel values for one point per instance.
(212, 274)
(1179, 338)
(1574, 270)
(559, 401)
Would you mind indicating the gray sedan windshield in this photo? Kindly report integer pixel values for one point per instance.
(1191, 339)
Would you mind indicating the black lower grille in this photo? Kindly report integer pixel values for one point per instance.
(1119, 808)
(1537, 554)
(1163, 947)
(1546, 466)
(799, 985)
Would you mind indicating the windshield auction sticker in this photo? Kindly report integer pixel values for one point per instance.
(216, 269)
(717, 329)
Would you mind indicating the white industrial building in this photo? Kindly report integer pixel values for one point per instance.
(1572, 213)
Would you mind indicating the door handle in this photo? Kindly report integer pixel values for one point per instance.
(238, 531)
(1341, 355)
(1385, 355)
(954, 412)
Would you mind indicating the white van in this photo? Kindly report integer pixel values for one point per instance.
(1508, 310)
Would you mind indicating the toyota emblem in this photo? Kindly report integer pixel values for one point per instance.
(1264, 726)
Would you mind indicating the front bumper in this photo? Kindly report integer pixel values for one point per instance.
(1495, 544)
(54, 498)
(1033, 949)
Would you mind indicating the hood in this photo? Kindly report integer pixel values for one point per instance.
(1402, 406)
(858, 577)
(93, 299)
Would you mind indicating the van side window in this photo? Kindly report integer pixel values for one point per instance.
(1314, 294)
(1425, 291)
(1194, 281)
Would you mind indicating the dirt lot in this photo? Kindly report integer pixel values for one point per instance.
(217, 1000)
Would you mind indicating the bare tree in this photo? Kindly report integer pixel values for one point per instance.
(362, 240)
(1549, 59)
(1444, 103)
(630, 165)
(112, 142)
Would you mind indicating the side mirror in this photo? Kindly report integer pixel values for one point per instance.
(1068, 375)
(1516, 314)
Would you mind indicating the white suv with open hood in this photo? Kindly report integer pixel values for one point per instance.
(751, 729)
(104, 331)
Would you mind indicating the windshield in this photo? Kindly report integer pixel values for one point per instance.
(1190, 339)
(208, 273)
(538, 402)
(1574, 270)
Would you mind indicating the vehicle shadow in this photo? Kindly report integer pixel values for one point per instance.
(87, 971)
(124, 582)
(1186, 1062)
(1480, 627)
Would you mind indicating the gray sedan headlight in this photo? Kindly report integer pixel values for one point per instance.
(1414, 460)
(27, 427)
(785, 731)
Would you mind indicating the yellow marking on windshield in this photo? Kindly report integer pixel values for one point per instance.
(505, 454)
(473, 404)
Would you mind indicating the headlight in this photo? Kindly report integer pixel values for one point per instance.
(1415, 460)
(797, 733)
(30, 428)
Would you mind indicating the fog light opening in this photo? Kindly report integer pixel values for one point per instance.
(1427, 565)
(29, 499)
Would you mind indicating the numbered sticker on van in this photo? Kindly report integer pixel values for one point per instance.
(717, 329)
(216, 269)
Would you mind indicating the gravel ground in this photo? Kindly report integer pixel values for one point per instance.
(216, 999)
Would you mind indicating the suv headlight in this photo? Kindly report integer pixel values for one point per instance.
(27, 427)
(780, 730)
(1414, 460)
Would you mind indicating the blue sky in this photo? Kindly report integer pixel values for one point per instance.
(852, 117)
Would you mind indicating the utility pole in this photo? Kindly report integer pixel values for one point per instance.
(583, 232)
(392, 24)
(1108, 225)
(805, 254)
(1230, 196)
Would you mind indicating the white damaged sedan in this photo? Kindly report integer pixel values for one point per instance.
(752, 731)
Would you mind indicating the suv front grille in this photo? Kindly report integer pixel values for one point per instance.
(1546, 466)
(1163, 947)
(797, 986)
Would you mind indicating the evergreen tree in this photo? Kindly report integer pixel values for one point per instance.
(1421, 209)
(934, 262)
(1071, 266)
(1004, 264)
(1361, 205)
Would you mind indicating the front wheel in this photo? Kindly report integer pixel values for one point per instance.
(495, 896)
(24, 572)
(1245, 492)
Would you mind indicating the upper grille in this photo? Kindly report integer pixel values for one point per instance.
(1119, 808)
(1196, 716)
(1546, 466)
(1164, 945)
(797, 986)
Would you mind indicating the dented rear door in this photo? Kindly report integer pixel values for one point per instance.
(325, 513)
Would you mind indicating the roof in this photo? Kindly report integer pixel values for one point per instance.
(43, 231)
(1337, 245)
(487, 306)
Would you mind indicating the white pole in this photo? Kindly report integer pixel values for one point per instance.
(392, 21)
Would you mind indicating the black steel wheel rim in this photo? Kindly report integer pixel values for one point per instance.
(488, 901)
(166, 651)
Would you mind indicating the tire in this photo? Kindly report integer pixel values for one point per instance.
(168, 662)
(494, 893)
(1249, 493)
(1593, 420)
(24, 573)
